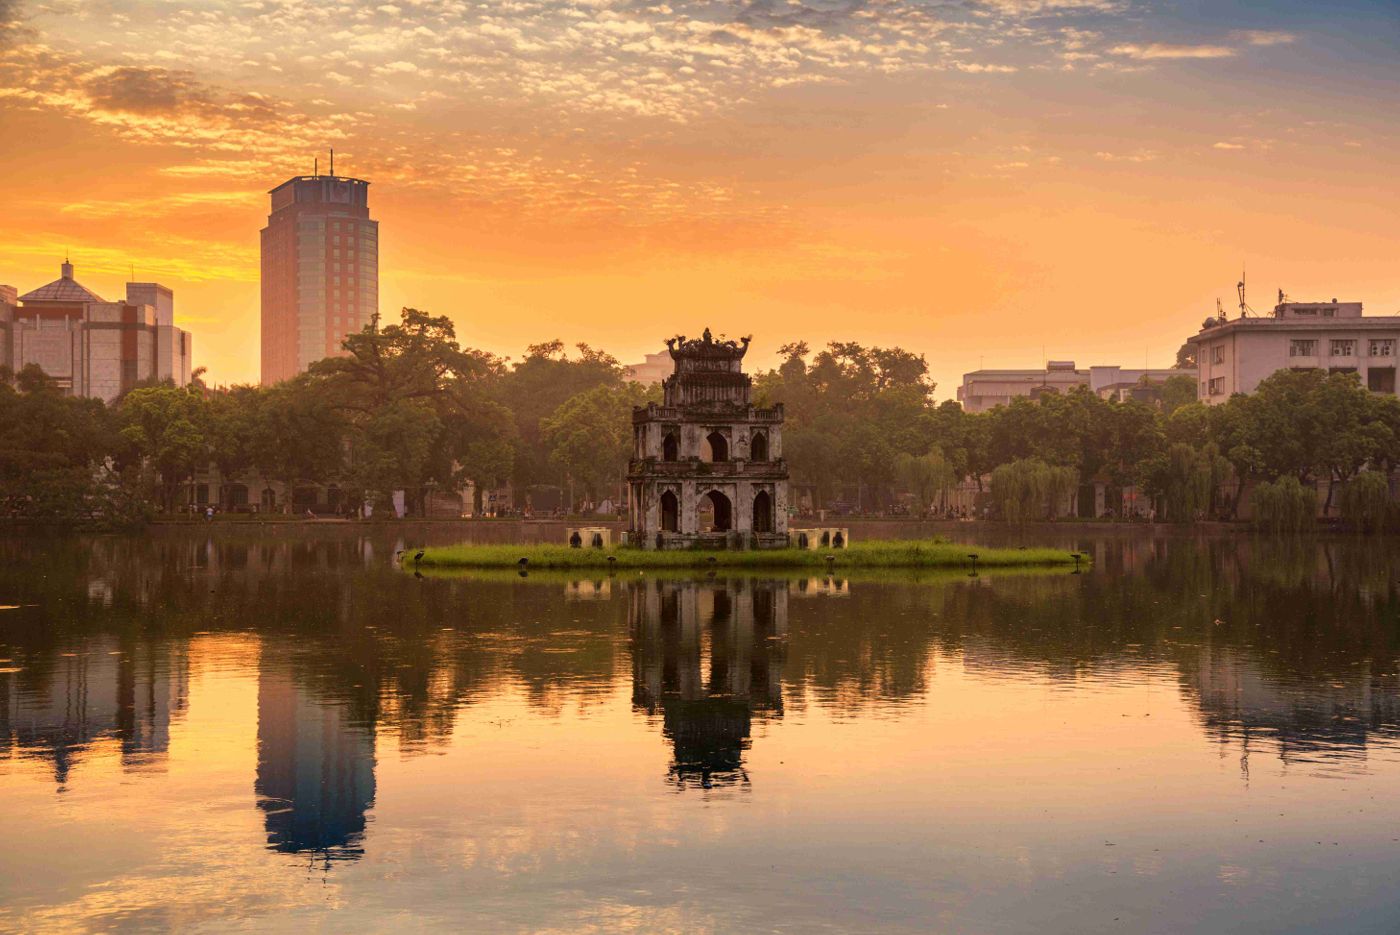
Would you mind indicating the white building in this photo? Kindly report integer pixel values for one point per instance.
(982, 390)
(1236, 356)
(92, 347)
(654, 369)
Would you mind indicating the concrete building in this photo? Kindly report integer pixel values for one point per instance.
(708, 466)
(1236, 356)
(654, 369)
(982, 390)
(320, 271)
(92, 347)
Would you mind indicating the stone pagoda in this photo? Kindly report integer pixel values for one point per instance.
(707, 467)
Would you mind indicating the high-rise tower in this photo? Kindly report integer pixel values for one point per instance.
(320, 271)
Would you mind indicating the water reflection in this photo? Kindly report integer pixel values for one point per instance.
(183, 710)
(315, 777)
(709, 658)
(97, 690)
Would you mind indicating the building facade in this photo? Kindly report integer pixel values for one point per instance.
(982, 390)
(320, 271)
(653, 369)
(92, 347)
(707, 466)
(1236, 356)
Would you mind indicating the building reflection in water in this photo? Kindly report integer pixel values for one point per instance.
(103, 689)
(708, 657)
(315, 778)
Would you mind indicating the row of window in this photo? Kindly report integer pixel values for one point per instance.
(1378, 379)
(1341, 347)
(1337, 347)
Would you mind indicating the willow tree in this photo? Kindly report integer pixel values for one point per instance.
(926, 476)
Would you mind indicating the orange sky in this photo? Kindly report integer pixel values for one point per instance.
(976, 181)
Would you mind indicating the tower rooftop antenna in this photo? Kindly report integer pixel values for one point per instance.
(1245, 310)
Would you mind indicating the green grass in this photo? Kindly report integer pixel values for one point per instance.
(873, 554)
(557, 576)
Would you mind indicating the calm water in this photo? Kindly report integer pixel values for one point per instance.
(1197, 735)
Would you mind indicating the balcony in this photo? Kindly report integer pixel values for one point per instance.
(655, 413)
(754, 470)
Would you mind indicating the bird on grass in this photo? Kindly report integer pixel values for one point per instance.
(418, 556)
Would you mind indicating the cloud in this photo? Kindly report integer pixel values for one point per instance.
(144, 90)
(1158, 51)
(977, 68)
(1039, 7)
(1263, 37)
(1142, 155)
(1228, 146)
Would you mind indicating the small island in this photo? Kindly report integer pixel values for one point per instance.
(874, 554)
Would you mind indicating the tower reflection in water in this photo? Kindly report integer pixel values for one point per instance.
(315, 778)
(708, 657)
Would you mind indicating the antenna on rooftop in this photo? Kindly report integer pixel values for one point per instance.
(316, 166)
(332, 161)
(1244, 306)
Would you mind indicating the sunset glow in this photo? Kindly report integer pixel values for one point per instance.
(985, 182)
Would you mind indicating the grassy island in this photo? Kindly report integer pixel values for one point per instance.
(874, 554)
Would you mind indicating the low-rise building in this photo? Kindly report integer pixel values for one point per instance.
(1236, 356)
(654, 369)
(92, 347)
(982, 390)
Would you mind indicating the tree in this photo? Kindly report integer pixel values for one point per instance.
(590, 435)
(536, 386)
(1365, 502)
(1284, 505)
(926, 477)
(851, 411)
(166, 428)
(1178, 391)
(299, 435)
(1029, 489)
(1187, 479)
(55, 456)
(232, 416)
(420, 411)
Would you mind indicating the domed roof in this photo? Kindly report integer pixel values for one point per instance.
(64, 289)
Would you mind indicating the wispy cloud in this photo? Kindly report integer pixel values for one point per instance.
(1264, 37)
(1139, 156)
(1157, 51)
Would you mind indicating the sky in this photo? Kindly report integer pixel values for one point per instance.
(985, 182)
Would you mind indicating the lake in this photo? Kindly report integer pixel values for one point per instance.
(281, 731)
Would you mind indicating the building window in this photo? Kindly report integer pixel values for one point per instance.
(1343, 348)
(1217, 386)
(1381, 379)
(1382, 347)
(1302, 348)
(1217, 354)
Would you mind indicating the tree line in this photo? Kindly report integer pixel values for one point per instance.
(406, 407)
